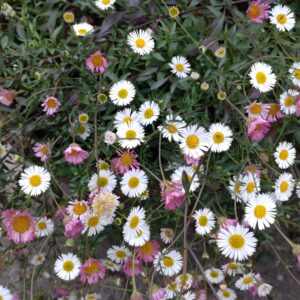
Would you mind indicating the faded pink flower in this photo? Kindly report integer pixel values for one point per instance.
(125, 161)
(128, 267)
(158, 294)
(73, 228)
(92, 271)
(75, 155)
(148, 251)
(257, 129)
(6, 97)
(228, 222)
(274, 113)
(60, 214)
(253, 290)
(61, 292)
(19, 226)
(172, 193)
(191, 161)
(202, 295)
(258, 11)
(50, 105)
(96, 62)
(42, 151)
(257, 110)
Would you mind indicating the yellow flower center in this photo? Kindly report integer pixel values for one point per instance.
(281, 19)
(21, 224)
(83, 118)
(218, 137)
(202, 220)
(68, 266)
(237, 187)
(172, 286)
(102, 182)
(93, 221)
(171, 128)
(255, 109)
(126, 159)
(123, 93)
(260, 211)
(179, 67)
(140, 43)
(103, 166)
(130, 134)
(233, 266)
(44, 150)
(284, 154)
(168, 233)
(226, 294)
(74, 152)
(289, 101)
(214, 274)
(147, 248)
(133, 182)
(173, 11)
(236, 241)
(273, 109)
(127, 120)
(284, 186)
(68, 17)
(134, 222)
(51, 103)
(82, 31)
(105, 2)
(247, 280)
(35, 180)
(261, 77)
(1, 151)
(79, 209)
(192, 141)
(81, 129)
(42, 225)
(148, 113)
(297, 74)
(168, 261)
(120, 254)
(250, 187)
(97, 60)
(255, 11)
(91, 269)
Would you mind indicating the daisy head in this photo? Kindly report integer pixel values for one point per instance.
(130, 136)
(44, 227)
(105, 180)
(83, 29)
(168, 263)
(125, 161)
(42, 151)
(6, 97)
(262, 77)
(74, 154)
(134, 183)
(246, 281)
(122, 92)
(148, 113)
(288, 101)
(96, 62)
(257, 110)
(67, 266)
(5, 293)
(132, 267)
(260, 212)
(83, 130)
(235, 188)
(92, 271)
(126, 116)
(250, 187)
(92, 224)
(257, 129)
(295, 73)
(2, 150)
(193, 179)
(214, 275)
(282, 17)
(180, 66)
(258, 11)
(205, 221)
(232, 268)
(274, 113)
(34, 180)
(110, 265)
(285, 155)
(140, 41)
(148, 251)
(105, 4)
(118, 254)
(167, 235)
(68, 17)
(226, 294)
(172, 128)
(77, 209)
(220, 137)
(50, 105)
(37, 259)
(284, 187)
(236, 242)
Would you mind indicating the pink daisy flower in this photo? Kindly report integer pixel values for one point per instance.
(172, 193)
(75, 155)
(257, 129)
(6, 97)
(125, 161)
(191, 161)
(258, 11)
(148, 251)
(257, 110)
(73, 228)
(96, 62)
(128, 267)
(92, 271)
(50, 105)
(19, 226)
(42, 151)
(60, 214)
(158, 294)
(274, 113)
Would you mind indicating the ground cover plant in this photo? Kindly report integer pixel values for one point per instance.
(149, 149)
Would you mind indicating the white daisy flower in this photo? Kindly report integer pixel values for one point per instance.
(5, 293)
(284, 187)
(35, 180)
(105, 180)
(92, 224)
(184, 281)
(168, 263)
(44, 227)
(232, 268)
(122, 92)
(205, 221)
(250, 187)
(2, 151)
(37, 260)
(78, 209)
(282, 17)
(295, 73)
(288, 101)
(226, 294)
(214, 275)
(177, 176)
(264, 289)
(118, 254)
(220, 137)
(134, 183)
(67, 266)
(125, 116)
(84, 131)
(93, 296)
(140, 238)
(171, 290)
(167, 235)
(173, 128)
(130, 135)
(194, 141)
(180, 66)
(140, 41)
(260, 212)
(236, 242)
(105, 4)
(148, 113)
(285, 155)
(110, 265)
(235, 188)
(246, 282)
(262, 77)
(82, 29)
(189, 296)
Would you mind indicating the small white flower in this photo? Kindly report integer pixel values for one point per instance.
(122, 92)
(67, 266)
(288, 101)
(180, 66)
(235, 188)
(130, 135)
(44, 227)
(105, 180)
(227, 294)
(167, 235)
(173, 128)
(141, 42)
(220, 137)
(109, 137)
(168, 263)
(232, 268)
(105, 4)
(250, 187)
(214, 275)
(246, 282)
(264, 289)
(178, 177)
(148, 113)
(285, 155)
(82, 29)
(93, 224)
(84, 131)
(284, 187)
(295, 73)
(118, 254)
(126, 116)
(134, 183)
(37, 259)
(205, 221)
(282, 17)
